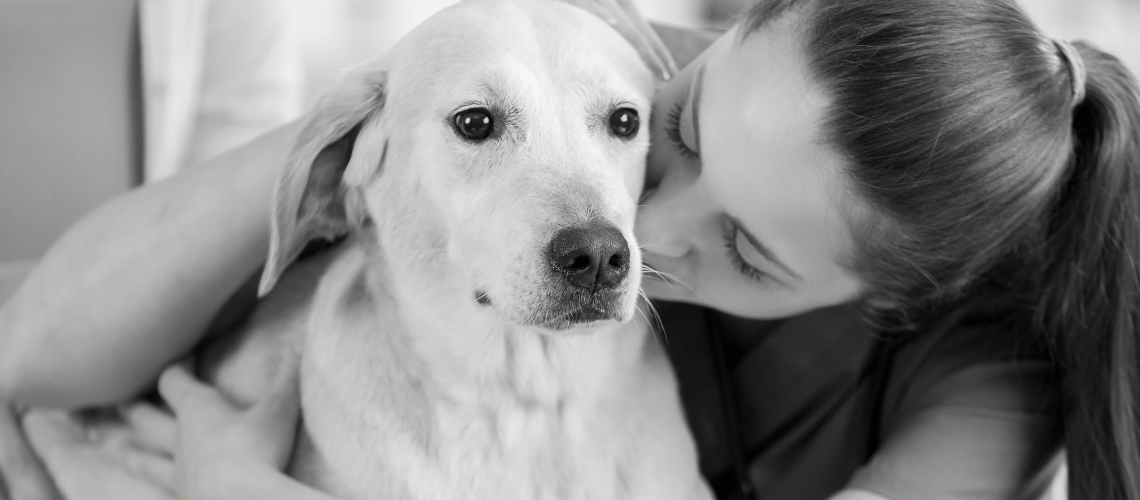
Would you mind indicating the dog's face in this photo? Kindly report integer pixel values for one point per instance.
(495, 154)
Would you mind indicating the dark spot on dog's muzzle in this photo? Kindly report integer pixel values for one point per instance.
(483, 298)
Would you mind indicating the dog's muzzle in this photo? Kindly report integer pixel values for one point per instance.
(589, 264)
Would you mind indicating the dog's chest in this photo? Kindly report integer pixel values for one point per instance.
(410, 438)
(511, 455)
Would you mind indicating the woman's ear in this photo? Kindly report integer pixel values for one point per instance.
(343, 131)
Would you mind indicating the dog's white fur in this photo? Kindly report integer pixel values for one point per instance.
(411, 387)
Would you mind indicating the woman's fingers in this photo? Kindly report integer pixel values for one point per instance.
(22, 477)
(138, 442)
(97, 454)
(624, 17)
(156, 469)
(181, 390)
(156, 429)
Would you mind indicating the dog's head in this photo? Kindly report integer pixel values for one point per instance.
(494, 156)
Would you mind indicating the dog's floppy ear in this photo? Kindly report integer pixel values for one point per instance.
(309, 201)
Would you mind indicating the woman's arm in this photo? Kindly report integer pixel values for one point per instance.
(134, 284)
(685, 44)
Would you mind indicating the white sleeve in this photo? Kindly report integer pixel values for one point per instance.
(251, 75)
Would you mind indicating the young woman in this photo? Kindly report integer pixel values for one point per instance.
(932, 206)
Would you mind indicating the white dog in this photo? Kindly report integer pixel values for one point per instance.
(476, 335)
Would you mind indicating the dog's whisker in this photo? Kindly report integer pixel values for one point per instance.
(648, 323)
(655, 273)
(660, 326)
(645, 194)
(669, 279)
(657, 319)
(664, 276)
(651, 268)
(656, 315)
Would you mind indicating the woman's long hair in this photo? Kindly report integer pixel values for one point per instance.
(1090, 300)
(985, 173)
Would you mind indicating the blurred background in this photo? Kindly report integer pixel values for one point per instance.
(39, 200)
(337, 32)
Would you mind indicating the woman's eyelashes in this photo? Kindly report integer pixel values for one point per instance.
(732, 241)
(673, 132)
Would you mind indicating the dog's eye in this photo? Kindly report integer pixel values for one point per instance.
(474, 124)
(624, 123)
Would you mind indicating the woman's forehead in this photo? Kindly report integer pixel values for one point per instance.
(764, 146)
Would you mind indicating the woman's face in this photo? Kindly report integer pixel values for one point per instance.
(748, 204)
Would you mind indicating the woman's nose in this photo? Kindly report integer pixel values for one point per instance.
(667, 247)
(668, 220)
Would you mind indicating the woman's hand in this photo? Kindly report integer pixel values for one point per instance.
(219, 443)
(219, 449)
(22, 477)
(624, 17)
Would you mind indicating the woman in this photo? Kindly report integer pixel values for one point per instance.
(935, 172)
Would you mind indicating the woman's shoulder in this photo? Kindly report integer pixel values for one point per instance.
(973, 405)
(982, 364)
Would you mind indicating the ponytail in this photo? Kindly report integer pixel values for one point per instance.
(1090, 301)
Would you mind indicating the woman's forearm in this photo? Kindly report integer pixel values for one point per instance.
(135, 283)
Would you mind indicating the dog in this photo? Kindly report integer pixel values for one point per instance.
(476, 334)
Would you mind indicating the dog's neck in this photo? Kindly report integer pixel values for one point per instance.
(453, 349)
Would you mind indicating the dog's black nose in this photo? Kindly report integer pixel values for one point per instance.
(591, 257)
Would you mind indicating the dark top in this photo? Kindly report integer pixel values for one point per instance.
(967, 413)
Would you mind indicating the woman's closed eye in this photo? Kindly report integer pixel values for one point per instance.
(734, 241)
(687, 140)
(673, 132)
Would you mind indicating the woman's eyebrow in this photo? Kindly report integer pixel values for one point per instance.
(763, 250)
